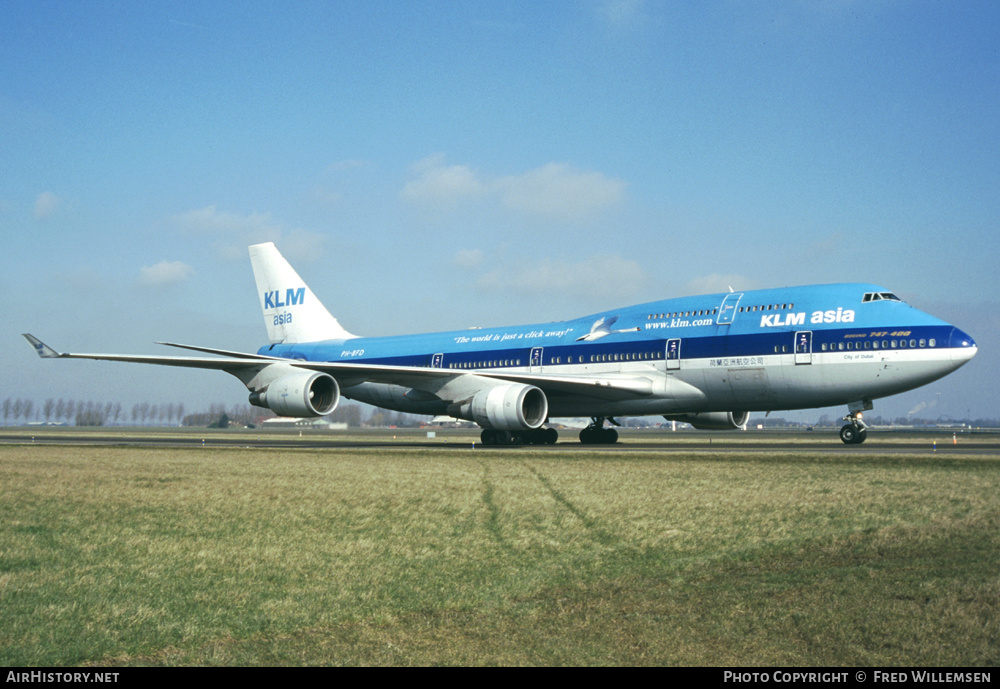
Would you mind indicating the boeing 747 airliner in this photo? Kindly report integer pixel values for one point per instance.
(707, 360)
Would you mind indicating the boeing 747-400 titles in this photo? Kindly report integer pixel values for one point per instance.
(707, 360)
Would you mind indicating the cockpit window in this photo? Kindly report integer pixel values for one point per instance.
(880, 296)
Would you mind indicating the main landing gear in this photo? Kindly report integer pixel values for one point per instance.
(597, 434)
(539, 436)
(855, 432)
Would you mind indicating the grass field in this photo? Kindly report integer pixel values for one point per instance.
(136, 556)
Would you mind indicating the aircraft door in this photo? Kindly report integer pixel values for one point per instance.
(727, 310)
(673, 353)
(803, 347)
(437, 361)
(535, 360)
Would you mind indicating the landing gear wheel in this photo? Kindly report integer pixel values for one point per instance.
(855, 431)
(853, 435)
(592, 435)
(491, 436)
(538, 436)
(549, 436)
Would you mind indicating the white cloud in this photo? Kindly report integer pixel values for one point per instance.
(165, 273)
(922, 406)
(561, 192)
(468, 258)
(324, 196)
(555, 191)
(709, 284)
(213, 221)
(232, 233)
(46, 204)
(623, 15)
(599, 275)
(437, 184)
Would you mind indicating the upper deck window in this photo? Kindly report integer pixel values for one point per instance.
(880, 296)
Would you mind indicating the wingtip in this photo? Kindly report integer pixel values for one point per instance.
(42, 349)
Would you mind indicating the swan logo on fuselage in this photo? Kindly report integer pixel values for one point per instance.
(778, 320)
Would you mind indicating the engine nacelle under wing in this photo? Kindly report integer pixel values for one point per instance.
(299, 394)
(514, 407)
(713, 420)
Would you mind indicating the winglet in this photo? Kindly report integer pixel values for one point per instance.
(41, 348)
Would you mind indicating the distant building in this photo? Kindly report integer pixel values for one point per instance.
(314, 424)
(450, 422)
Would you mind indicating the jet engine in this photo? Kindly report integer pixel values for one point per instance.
(299, 394)
(513, 407)
(713, 420)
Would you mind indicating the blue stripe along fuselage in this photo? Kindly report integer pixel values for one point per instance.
(764, 324)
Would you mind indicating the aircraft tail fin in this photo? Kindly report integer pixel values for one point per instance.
(292, 313)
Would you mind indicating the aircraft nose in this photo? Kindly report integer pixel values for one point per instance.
(963, 347)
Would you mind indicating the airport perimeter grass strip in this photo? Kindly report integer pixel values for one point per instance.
(138, 556)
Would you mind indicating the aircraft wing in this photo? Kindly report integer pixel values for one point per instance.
(608, 387)
(222, 352)
(228, 364)
(603, 387)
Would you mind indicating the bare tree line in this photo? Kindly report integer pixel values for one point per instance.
(20, 411)
(88, 412)
(69, 412)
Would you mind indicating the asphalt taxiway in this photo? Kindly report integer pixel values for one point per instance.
(887, 443)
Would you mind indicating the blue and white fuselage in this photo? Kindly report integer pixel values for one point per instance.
(789, 348)
(708, 359)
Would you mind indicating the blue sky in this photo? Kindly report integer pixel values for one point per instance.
(438, 165)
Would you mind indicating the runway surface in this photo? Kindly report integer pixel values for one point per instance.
(449, 440)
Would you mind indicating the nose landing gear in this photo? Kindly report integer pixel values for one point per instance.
(855, 432)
